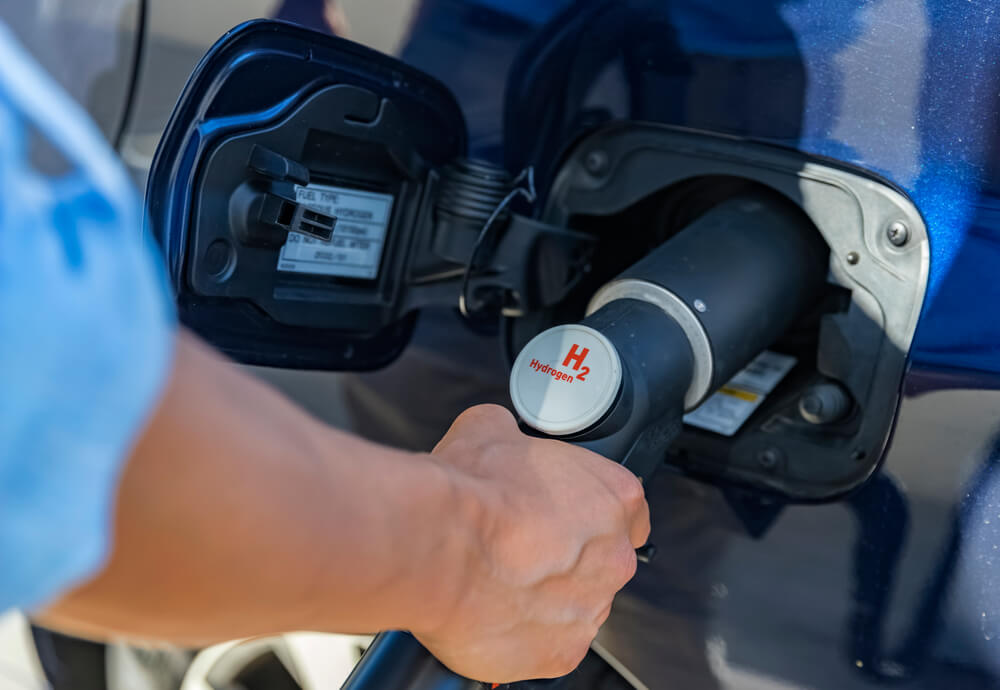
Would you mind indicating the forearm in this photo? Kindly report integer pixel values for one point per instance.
(240, 515)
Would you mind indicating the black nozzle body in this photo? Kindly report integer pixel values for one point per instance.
(656, 364)
(697, 310)
(747, 269)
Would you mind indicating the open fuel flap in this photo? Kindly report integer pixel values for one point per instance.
(311, 194)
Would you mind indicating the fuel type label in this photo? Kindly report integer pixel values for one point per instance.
(355, 249)
(729, 408)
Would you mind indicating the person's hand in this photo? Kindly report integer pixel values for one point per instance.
(554, 532)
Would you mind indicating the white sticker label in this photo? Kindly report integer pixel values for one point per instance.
(355, 249)
(729, 408)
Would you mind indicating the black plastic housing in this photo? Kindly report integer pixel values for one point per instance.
(323, 108)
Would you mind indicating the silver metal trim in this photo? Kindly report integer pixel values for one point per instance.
(677, 309)
(618, 666)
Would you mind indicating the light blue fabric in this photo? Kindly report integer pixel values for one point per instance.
(86, 333)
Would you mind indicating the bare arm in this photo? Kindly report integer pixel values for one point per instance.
(232, 520)
(240, 515)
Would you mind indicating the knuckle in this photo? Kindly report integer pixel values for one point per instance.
(498, 451)
(647, 525)
(489, 413)
(626, 487)
(583, 646)
(628, 564)
(622, 564)
(646, 534)
(594, 630)
(569, 656)
(455, 445)
(473, 415)
(631, 491)
(601, 617)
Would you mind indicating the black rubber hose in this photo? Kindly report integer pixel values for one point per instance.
(397, 661)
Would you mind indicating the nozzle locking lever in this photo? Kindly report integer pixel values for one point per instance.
(266, 210)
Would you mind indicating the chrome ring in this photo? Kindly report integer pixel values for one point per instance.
(674, 307)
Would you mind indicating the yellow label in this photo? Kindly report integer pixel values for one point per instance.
(741, 394)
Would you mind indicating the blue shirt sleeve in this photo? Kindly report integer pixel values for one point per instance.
(86, 333)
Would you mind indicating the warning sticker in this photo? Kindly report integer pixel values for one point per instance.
(355, 249)
(729, 408)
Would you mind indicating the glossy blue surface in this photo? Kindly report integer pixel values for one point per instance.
(909, 90)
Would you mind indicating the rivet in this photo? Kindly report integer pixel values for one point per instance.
(596, 162)
(769, 458)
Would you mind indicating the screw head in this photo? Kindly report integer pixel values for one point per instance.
(898, 233)
(700, 306)
(853, 258)
(596, 162)
(769, 458)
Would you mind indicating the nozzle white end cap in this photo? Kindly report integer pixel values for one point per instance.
(565, 379)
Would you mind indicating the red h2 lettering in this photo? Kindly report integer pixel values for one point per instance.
(576, 358)
(578, 355)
